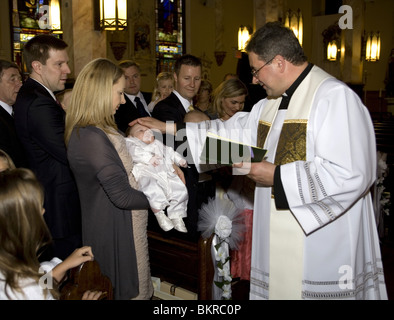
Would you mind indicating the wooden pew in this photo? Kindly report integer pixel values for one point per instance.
(185, 264)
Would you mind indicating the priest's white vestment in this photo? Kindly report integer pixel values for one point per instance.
(326, 245)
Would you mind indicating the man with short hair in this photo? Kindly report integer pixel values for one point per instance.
(187, 74)
(39, 121)
(314, 229)
(136, 105)
(10, 83)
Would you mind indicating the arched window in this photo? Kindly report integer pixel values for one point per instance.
(169, 33)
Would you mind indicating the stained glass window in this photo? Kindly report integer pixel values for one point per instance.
(169, 33)
(29, 18)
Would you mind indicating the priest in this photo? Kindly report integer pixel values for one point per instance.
(314, 233)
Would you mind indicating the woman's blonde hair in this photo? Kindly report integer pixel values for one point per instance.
(227, 89)
(23, 231)
(91, 100)
(4, 156)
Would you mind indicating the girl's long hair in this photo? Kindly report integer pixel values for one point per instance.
(91, 100)
(23, 231)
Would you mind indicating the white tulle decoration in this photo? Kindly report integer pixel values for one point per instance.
(220, 217)
(215, 218)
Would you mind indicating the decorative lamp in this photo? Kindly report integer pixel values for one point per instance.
(295, 22)
(332, 51)
(243, 38)
(373, 46)
(113, 14)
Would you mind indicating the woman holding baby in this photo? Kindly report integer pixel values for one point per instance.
(114, 212)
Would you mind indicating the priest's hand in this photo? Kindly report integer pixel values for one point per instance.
(262, 172)
(155, 124)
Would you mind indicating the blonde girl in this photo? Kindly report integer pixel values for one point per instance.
(165, 84)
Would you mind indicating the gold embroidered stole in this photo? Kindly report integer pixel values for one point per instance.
(286, 236)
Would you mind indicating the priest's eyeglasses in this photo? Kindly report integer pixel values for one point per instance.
(255, 73)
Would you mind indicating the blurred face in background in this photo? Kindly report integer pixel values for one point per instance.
(133, 80)
(165, 88)
(10, 83)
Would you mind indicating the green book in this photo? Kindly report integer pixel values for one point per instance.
(219, 150)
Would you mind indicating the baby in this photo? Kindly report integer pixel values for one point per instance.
(195, 116)
(156, 177)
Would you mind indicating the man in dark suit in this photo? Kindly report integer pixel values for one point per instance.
(10, 83)
(39, 120)
(136, 105)
(187, 74)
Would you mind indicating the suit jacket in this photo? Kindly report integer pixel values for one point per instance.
(128, 112)
(9, 141)
(169, 109)
(39, 122)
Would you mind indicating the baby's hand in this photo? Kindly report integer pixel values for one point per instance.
(155, 161)
(183, 163)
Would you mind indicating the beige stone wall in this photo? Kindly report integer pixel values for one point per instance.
(212, 26)
(5, 31)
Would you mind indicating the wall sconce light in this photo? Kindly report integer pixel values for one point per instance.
(295, 22)
(113, 14)
(243, 38)
(373, 46)
(332, 42)
(332, 51)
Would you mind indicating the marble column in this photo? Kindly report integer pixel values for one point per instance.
(5, 34)
(86, 44)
